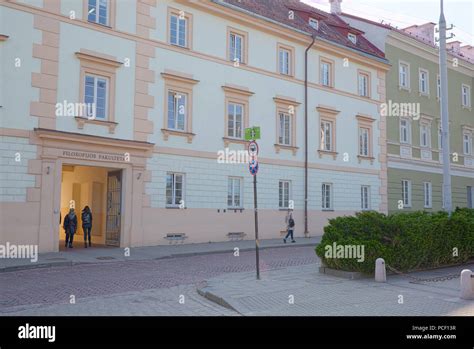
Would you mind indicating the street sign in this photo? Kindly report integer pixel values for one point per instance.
(253, 148)
(253, 166)
(252, 133)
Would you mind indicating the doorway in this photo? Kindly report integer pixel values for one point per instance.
(99, 188)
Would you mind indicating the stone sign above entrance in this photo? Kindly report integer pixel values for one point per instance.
(96, 156)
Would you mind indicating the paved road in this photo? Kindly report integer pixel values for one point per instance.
(135, 285)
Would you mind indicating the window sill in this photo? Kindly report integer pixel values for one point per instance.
(235, 209)
(174, 207)
(167, 132)
(327, 210)
(81, 121)
(369, 158)
(408, 89)
(284, 209)
(466, 107)
(327, 152)
(424, 94)
(179, 46)
(279, 147)
(230, 140)
(99, 24)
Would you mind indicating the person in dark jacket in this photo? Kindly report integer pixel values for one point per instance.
(87, 225)
(290, 227)
(70, 226)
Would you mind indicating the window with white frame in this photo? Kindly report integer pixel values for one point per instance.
(284, 192)
(466, 96)
(235, 117)
(438, 86)
(352, 38)
(98, 11)
(177, 103)
(284, 61)
(326, 72)
(365, 197)
(174, 189)
(313, 23)
(326, 194)
(234, 192)
(178, 30)
(425, 135)
(326, 135)
(364, 139)
(424, 82)
(440, 137)
(427, 194)
(404, 75)
(236, 48)
(363, 84)
(467, 142)
(284, 129)
(96, 96)
(405, 131)
(406, 193)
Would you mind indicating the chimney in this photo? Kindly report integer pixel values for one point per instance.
(335, 7)
(424, 32)
(454, 46)
(468, 51)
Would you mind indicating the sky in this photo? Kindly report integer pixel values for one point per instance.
(403, 13)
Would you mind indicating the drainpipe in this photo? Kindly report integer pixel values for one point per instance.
(306, 232)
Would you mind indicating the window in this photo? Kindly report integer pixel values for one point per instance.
(237, 46)
(284, 61)
(406, 193)
(404, 75)
(313, 23)
(178, 30)
(364, 146)
(284, 192)
(177, 104)
(234, 120)
(365, 197)
(352, 38)
(470, 197)
(326, 72)
(98, 11)
(467, 142)
(364, 83)
(234, 192)
(326, 136)
(466, 96)
(427, 195)
(438, 86)
(326, 192)
(424, 82)
(284, 135)
(440, 137)
(96, 96)
(174, 189)
(405, 131)
(425, 135)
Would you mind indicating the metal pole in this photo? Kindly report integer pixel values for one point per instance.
(256, 224)
(443, 72)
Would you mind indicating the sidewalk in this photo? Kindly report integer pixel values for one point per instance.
(316, 294)
(103, 254)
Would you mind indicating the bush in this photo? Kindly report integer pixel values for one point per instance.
(406, 241)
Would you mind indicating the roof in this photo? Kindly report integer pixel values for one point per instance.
(331, 27)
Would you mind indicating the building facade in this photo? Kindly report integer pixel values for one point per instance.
(415, 172)
(138, 109)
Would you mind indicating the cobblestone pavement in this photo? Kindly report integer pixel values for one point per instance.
(32, 291)
(303, 290)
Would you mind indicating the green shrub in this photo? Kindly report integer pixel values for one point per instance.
(407, 241)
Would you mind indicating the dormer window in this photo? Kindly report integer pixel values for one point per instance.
(352, 38)
(313, 23)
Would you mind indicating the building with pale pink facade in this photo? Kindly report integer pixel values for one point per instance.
(127, 106)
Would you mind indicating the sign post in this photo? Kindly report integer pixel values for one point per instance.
(252, 134)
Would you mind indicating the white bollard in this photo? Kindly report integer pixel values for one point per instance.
(467, 284)
(380, 272)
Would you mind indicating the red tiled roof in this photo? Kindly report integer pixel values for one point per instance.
(331, 27)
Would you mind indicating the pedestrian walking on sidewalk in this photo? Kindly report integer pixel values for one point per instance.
(87, 225)
(290, 227)
(70, 226)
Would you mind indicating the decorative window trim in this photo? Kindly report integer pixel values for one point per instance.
(400, 87)
(331, 74)
(289, 106)
(289, 194)
(183, 189)
(99, 65)
(291, 65)
(409, 193)
(331, 197)
(410, 130)
(430, 193)
(111, 14)
(369, 206)
(241, 194)
(426, 121)
(366, 121)
(239, 95)
(421, 93)
(245, 44)
(369, 83)
(438, 92)
(181, 83)
(467, 130)
(328, 114)
(189, 27)
(469, 105)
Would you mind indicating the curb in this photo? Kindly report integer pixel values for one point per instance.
(36, 266)
(215, 299)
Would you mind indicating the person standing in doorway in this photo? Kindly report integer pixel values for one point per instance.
(290, 227)
(70, 226)
(87, 225)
